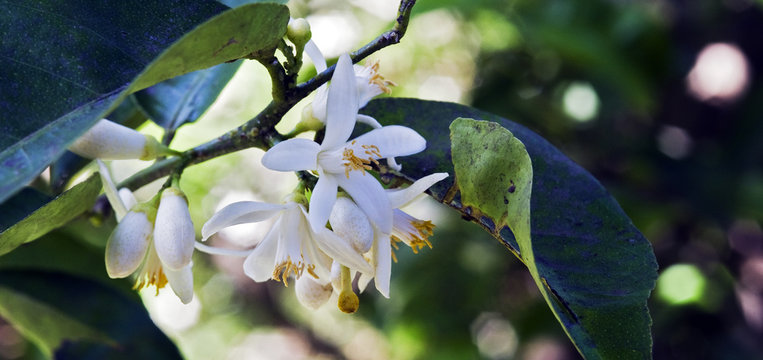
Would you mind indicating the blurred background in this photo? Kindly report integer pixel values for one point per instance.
(662, 101)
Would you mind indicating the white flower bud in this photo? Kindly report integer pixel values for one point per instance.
(111, 141)
(312, 294)
(351, 224)
(174, 236)
(298, 31)
(127, 244)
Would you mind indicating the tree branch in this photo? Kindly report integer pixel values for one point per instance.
(260, 131)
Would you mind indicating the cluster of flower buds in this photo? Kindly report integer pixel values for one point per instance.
(342, 230)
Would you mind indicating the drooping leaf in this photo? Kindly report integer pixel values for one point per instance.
(185, 98)
(595, 269)
(42, 217)
(69, 63)
(75, 318)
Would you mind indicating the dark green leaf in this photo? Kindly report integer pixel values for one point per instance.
(236, 3)
(75, 318)
(595, 268)
(185, 98)
(55, 213)
(69, 63)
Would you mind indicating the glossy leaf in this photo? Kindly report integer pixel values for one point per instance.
(75, 318)
(38, 219)
(104, 51)
(595, 269)
(185, 98)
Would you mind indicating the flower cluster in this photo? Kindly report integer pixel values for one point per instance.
(364, 218)
(322, 239)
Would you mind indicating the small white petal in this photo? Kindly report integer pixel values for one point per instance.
(351, 223)
(322, 200)
(174, 235)
(181, 282)
(401, 197)
(393, 140)
(260, 263)
(292, 155)
(316, 56)
(127, 197)
(311, 293)
(319, 103)
(383, 263)
(342, 105)
(365, 119)
(120, 209)
(127, 245)
(341, 251)
(239, 213)
(110, 141)
(369, 195)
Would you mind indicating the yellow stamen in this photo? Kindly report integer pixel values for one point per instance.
(353, 162)
(286, 268)
(378, 80)
(151, 273)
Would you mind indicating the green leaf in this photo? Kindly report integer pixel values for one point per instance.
(69, 63)
(185, 98)
(75, 318)
(494, 174)
(37, 221)
(595, 269)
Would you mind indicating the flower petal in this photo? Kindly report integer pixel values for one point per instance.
(239, 213)
(181, 282)
(369, 195)
(401, 197)
(292, 155)
(260, 263)
(127, 244)
(120, 209)
(316, 56)
(174, 235)
(393, 140)
(342, 105)
(383, 263)
(341, 251)
(322, 200)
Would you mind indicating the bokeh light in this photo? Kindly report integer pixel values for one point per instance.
(581, 102)
(720, 74)
(681, 284)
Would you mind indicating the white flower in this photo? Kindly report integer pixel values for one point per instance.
(340, 163)
(369, 84)
(406, 229)
(174, 235)
(132, 246)
(111, 141)
(291, 247)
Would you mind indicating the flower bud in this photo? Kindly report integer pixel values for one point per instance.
(351, 224)
(312, 294)
(127, 244)
(298, 31)
(174, 235)
(111, 141)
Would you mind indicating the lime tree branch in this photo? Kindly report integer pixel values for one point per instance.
(260, 131)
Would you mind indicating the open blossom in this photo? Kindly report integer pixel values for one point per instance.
(406, 229)
(343, 163)
(369, 84)
(111, 141)
(291, 247)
